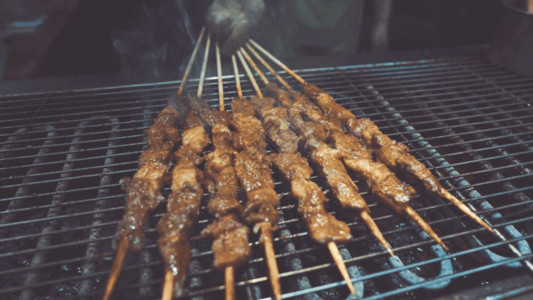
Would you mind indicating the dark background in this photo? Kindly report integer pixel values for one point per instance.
(151, 40)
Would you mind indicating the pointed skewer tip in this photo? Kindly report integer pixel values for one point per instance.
(339, 261)
(376, 231)
(123, 246)
(466, 210)
(425, 226)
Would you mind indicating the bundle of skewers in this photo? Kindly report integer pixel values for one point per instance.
(310, 132)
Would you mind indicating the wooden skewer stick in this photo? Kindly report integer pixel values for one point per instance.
(168, 288)
(229, 283)
(465, 209)
(333, 249)
(250, 75)
(425, 226)
(267, 65)
(117, 266)
(339, 261)
(204, 64)
(237, 80)
(220, 86)
(273, 271)
(277, 61)
(252, 63)
(266, 229)
(191, 61)
(364, 215)
(530, 6)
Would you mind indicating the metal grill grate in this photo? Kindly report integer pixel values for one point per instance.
(63, 154)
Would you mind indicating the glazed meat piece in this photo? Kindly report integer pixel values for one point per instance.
(276, 124)
(143, 191)
(230, 246)
(184, 201)
(250, 135)
(254, 175)
(252, 166)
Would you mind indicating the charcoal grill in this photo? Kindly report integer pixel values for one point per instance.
(63, 154)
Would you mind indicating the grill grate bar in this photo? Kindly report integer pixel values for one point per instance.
(128, 171)
(384, 127)
(463, 118)
(447, 106)
(448, 256)
(170, 87)
(23, 191)
(387, 233)
(330, 265)
(121, 110)
(140, 143)
(81, 142)
(210, 84)
(352, 224)
(512, 135)
(131, 170)
(456, 275)
(379, 274)
(444, 178)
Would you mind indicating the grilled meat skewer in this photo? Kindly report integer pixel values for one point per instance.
(230, 246)
(143, 191)
(252, 166)
(392, 153)
(382, 182)
(329, 163)
(183, 202)
(253, 169)
(323, 227)
(332, 246)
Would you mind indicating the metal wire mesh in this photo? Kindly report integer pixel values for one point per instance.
(63, 154)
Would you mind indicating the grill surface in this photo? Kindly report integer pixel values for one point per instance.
(63, 154)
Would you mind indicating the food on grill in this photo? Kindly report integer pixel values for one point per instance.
(382, 182)
(252, 166)
(144, 189)
(328, 162)
(392, 153)
(323, 227)
(183, 202)
(230, 246)
(276, 124)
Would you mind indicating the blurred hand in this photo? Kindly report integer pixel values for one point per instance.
(230, 21)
